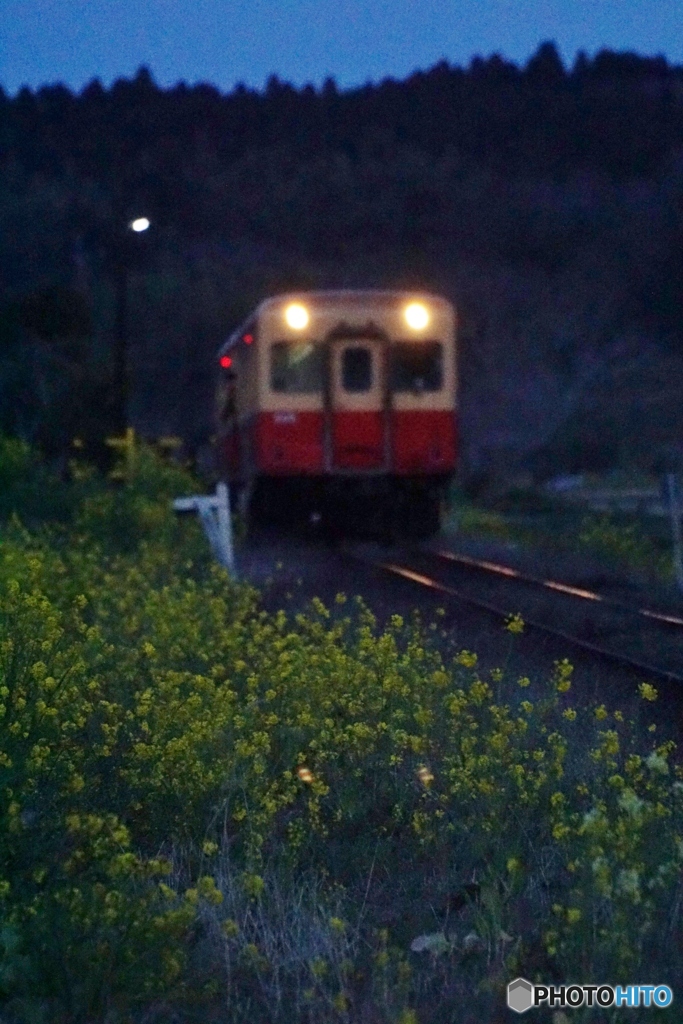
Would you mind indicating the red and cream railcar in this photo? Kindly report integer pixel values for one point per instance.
(344, 403)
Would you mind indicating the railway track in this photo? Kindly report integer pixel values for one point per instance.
(642, 639)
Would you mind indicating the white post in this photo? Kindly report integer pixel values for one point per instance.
(225, 525)
(208, 521)
(675, 511)
(214, 515)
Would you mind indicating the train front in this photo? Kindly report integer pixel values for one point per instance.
(352, 411)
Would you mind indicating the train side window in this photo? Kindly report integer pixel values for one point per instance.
(357, 369)
(417, 366)
(296, 367)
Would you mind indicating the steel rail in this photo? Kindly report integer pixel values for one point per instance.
(562, 588)
(428, 582)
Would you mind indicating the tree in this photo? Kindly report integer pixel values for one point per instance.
(545, 69)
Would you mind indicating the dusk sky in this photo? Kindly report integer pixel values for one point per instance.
(228, 41)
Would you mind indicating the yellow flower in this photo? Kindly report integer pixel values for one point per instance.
(515, 624)
(647, 691)
(560, 831)
(563, 674)
(408, 1017)
(253, 885)
(318, 967)
(208, 889)
(466, 658)
(76, 783)
(600, 712)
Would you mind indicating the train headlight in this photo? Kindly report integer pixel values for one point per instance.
(417, 316)
(296, 316)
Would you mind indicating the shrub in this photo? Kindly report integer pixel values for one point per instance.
(160, 713)
(174, 761)
(27, 487)
(139, 508)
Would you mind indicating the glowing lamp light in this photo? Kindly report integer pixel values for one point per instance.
(226, 362)
(296, 316)
(416, 316)
(139, 224)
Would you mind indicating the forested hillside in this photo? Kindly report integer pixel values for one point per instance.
(546, 202)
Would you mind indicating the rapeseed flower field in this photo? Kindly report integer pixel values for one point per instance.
(210, 812)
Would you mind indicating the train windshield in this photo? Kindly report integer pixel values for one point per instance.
(297, 367)
(417, 366)
(357, 369)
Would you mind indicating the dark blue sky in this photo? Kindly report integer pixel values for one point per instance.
(227, 41)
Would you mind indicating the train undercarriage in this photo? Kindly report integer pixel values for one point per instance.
(378, 507)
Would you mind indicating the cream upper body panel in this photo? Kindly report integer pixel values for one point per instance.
(335, 312)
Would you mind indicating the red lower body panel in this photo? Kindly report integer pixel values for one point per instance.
(289, 443)
(293, 444)
(358, 440)
(423, 442)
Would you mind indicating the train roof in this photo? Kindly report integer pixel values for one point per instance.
(331, 297)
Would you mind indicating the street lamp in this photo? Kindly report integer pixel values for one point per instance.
(137, 226)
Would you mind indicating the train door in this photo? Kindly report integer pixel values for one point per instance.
(357, 405)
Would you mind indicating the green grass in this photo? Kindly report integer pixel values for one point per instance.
(535, 519)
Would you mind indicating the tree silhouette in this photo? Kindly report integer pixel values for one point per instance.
(544, 200)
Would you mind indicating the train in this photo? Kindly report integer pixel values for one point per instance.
(340, 407)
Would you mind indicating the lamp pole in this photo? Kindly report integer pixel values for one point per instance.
(121, 377)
